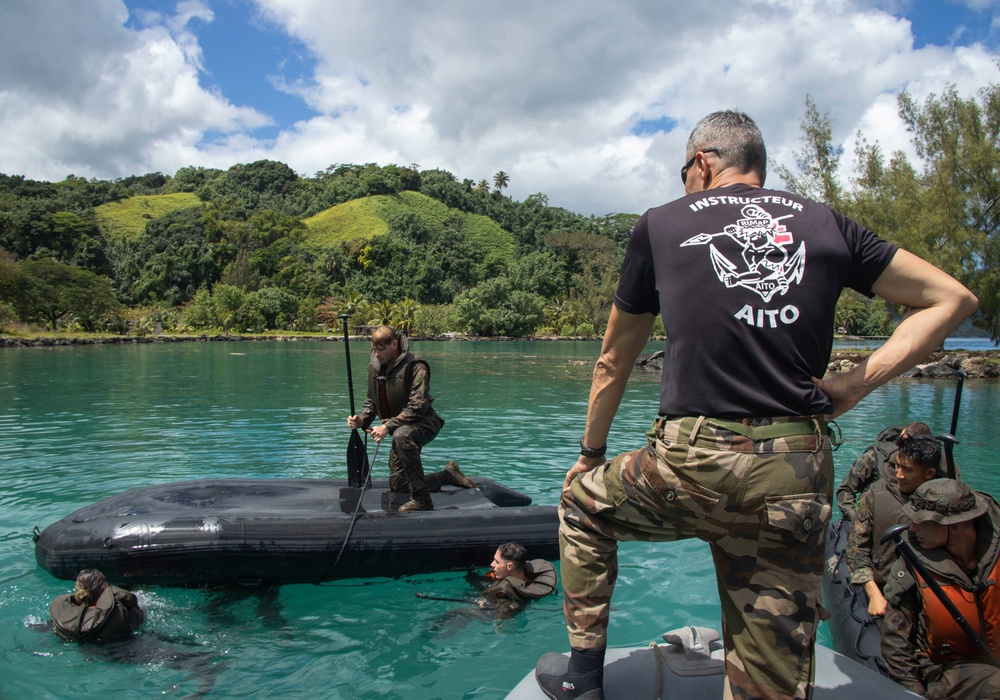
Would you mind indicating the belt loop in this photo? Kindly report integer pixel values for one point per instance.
(834, 433)
(695, 430)
(817, 428)
(655, 431)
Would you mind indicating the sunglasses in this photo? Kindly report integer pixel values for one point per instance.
(687, 166)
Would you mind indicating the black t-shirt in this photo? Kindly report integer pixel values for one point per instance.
(747, 280)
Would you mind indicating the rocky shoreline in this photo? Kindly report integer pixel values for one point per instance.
(939, 365)
(49, 341)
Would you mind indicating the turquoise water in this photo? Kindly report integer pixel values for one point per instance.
(78, 423)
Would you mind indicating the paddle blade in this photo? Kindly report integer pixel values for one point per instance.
(357, 460)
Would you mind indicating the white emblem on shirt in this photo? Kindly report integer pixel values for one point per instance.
(767, 268)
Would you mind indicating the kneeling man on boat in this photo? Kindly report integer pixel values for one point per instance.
(955, 535)
(399, 394)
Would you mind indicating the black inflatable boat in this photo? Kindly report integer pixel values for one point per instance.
(278, 531)
(853, 632)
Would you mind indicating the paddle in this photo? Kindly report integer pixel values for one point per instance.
(949, 439)
(903, 547)
(357, 453)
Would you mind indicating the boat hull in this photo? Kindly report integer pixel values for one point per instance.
(853, 632)
(281, 531)
(653, 672)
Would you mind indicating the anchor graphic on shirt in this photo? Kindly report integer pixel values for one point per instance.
(767, 267)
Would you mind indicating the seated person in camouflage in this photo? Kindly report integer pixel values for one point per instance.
(96, 611)
(955, 533)
(916, 461)
(516, 580)
(877, 461)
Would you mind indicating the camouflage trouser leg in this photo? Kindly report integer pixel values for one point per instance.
(406, 471)
(960, 679)
(762, 505)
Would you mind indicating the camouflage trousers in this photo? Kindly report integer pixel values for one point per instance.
(406, 471)
(761, 502)
(963, 679)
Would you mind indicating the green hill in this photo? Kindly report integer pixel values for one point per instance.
(368, 217)
(127, 218)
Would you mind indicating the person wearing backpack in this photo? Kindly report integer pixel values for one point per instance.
(96, 611)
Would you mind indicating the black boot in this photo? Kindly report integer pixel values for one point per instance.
(418, 502)
(454, 476)
(580, 675)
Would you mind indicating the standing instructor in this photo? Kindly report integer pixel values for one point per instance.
(747, 281)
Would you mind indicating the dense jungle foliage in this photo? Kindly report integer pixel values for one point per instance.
(258, 247)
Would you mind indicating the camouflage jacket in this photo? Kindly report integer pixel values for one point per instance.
(878, 510)
(114, 617)
(865, 471)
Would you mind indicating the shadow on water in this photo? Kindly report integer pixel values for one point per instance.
(222, 608)
(150, 649)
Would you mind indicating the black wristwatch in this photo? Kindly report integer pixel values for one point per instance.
(592, 451)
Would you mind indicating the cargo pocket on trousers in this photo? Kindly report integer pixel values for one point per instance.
(685, 501)
(613, 483)
(803, 517)
(600, 490)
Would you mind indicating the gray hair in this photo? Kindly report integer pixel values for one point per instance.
(738, 139)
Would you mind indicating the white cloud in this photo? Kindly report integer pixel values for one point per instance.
(81, 94)
(549, 92)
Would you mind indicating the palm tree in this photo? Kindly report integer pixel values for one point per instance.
(403, 316)
(501, 180)
(381, 313)
(483, 187)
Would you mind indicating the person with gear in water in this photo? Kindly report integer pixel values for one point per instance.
(516, 580)
(96, 611)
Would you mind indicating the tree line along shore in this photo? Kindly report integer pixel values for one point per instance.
(258, 248)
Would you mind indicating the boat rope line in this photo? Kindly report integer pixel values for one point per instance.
(876, 658)
(478, 602)
(365, 483)
(471, 601)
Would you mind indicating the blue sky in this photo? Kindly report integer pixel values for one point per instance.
(943, 23)
(243, 56)
(587, 101)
